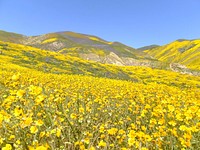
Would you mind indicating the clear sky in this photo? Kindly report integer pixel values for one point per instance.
(133, 22)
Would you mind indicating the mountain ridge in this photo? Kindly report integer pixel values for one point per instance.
(84, 45)
(93, 48)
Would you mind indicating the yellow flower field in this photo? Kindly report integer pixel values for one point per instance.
(142, 109)
(46, 111)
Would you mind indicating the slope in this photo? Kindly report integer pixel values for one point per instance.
(43, 107)
(185, 52)
(10, 37)
(87, 47)
(27, 57)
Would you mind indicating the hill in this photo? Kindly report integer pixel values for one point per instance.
(10, 37)
(87, 47)
(185, 52)
(180, 56)
(53, 101)
(58, 63)
(148, 47)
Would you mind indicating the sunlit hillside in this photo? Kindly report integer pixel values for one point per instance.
(10, 37)
(180, 56)
(66, 41)
(50, 100)
(21, 56)
(86, 47)
(186, 52)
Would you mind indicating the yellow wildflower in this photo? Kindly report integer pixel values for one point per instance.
(39, 99)
(41, 148)
(73, 116)
(81, 110)
(16, 77)
(35, 90)
(58, 132)
(112, 131)
(42, 134)
(102, 143)
(7, 147)
(182, 128)
(27, 121)
(172, 123)
(20, 93)
(11, 137)
(18, 111)
(39, 122)
(92, 148)
(34, 129)
(171, 108)
(101, 129)
(87, 140)
(131, 141)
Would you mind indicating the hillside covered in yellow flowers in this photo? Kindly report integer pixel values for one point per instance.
(51, 100)
(186, 52)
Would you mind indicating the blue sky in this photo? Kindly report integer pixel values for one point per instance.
(133, 22)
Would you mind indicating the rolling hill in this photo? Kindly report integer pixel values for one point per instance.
(180, 56)
(66, 42)
(85, 46)
(21, 57)
(51, 97)
(185, 52)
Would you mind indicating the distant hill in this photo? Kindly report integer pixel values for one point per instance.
(59, 41)
(185, 52)
(85, 46)
(10, 37)
(181, 55)
(148, 47)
